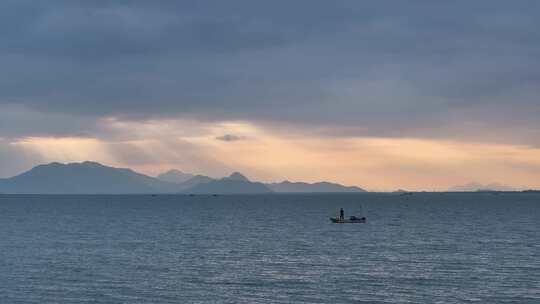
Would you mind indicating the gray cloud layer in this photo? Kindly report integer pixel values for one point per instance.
(458, 69)
(230, 137)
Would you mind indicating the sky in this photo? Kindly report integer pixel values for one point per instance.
(419, 95)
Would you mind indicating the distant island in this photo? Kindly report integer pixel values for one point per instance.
(299, 187)
(477, 187)
(94, 178)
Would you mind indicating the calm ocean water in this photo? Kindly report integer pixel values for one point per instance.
(422, 248)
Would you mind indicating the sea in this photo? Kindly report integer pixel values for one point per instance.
(414, 248)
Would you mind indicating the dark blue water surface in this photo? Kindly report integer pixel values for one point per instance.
(421, 248)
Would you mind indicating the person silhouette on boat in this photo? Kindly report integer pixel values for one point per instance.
(341, 214)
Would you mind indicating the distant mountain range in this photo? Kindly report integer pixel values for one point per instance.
(94, 178)
(477, 187)
(297, 187)
(195, 181)
(175, 176)
(87, 177)
(235, 183)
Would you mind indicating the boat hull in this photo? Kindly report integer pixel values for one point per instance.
(348, 221)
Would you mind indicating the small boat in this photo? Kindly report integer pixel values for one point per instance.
(350, 220)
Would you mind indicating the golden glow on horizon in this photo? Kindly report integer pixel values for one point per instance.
(373, 163)
(385, 164)
(66, 149)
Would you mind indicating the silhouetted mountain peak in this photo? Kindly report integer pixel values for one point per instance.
(83, 178)
(229, 186)
(288, 186)
(401, 191)
(237, 177)
(88, 164)
(174, 171)
(175, 176)
(81, 165)
(196, 180)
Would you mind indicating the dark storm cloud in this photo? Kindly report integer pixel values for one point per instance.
(383, 68)
(17, 121)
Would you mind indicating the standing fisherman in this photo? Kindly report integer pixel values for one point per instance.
(341, 214)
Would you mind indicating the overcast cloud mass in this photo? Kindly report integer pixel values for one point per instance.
(189, 75)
